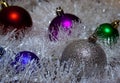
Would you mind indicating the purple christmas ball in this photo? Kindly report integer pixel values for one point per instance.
(63, 21)
(22, 59)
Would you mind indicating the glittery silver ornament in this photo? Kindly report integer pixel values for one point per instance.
(88, 56)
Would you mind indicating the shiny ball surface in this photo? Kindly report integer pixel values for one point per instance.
(88, 55)
(106, 32)
(14, 17)
(63, 22)
(23, 58)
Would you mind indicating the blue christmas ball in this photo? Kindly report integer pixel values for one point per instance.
(2, 51)
(23, 58)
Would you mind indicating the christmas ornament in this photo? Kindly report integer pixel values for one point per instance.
(63, 21)
(14, 17)
(2, 51)
(107, 32)
(22, 59)
(87, 55)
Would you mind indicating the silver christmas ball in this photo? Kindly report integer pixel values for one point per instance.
(88, 56)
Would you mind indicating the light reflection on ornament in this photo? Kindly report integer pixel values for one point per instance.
(14, 16)
(67, 24)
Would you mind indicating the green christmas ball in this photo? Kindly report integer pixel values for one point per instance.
(107, 33)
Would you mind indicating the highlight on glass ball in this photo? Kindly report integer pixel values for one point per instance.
(108, 33)
(22, 59)
(14, 17)
(63, 21)
(85, 56)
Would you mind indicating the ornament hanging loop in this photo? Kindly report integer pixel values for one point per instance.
(59, 11)
(3, 4)
(115, 24)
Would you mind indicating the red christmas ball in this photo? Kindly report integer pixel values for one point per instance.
(14, 17)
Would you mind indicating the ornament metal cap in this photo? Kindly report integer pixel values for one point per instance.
(115, 24)
(59, 11)
(3, 4)
(92, 38)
